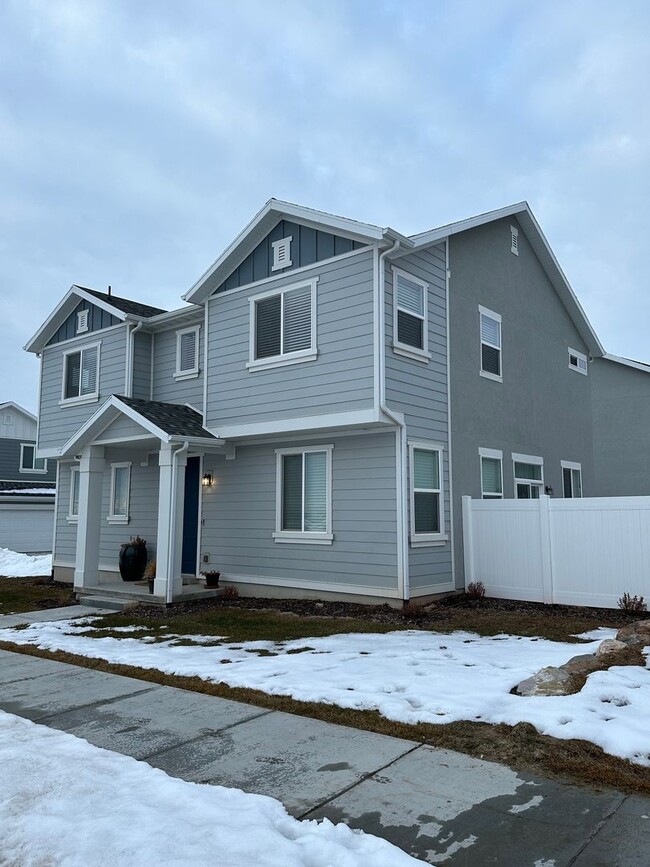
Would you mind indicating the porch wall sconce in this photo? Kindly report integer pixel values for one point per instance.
(206, 481)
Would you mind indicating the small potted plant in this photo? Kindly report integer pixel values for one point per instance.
(150, 574)
(133, 559)
(211, 579)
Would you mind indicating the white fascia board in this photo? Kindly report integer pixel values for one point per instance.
(432, 236)
(62, 310)
(203, 442)
(627, 362)
(160, 322)
(354, 418)
(262, 223)
(11, 405)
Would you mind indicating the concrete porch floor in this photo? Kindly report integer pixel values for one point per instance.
(137, 592)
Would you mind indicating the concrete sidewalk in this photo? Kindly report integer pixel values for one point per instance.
(442, 807)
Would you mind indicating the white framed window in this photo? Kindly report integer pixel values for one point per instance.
(29, 463)
(514, 240)
(490, 327)
(304, 495)
(491, 474)
(81, 375)
(528, 471)
(82, 321)
(578, 361)
(73, 506)
(427, 523)
(571, 479)
(187, 353)
(118, 511)
(282, 253)
(410, 332)
(283, 326)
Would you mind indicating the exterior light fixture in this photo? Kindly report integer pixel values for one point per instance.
(206, 481)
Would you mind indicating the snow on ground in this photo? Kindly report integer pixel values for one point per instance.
(30, 491)
(14, 565)
(410, 676)
(65, 802)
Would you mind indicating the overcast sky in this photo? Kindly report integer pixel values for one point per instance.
(137, 138)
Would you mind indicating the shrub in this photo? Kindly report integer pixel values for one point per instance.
(150, 571)
(413, 611)
(632, 603)
(475, 590)
(230, 593)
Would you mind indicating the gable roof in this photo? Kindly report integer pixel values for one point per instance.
(9, 404)
(264, 221)
(172, 418)
(537, 240)
(121, 308)
(628, 362)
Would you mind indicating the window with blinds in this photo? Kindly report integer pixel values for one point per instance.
(426, 493)
(490, 325)
(80, 373)
(410, 312)
(491, 478)
(120, 490)
(187, 352)
(304, 493)
(283, 323)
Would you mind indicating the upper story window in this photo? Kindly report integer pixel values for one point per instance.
(282, 253)
(490, 344)
(410, 315)
(81, 375)
(304, 495)
(427, 520)
(491, 474)
(529, 476)
(82, 321)
(187, 353)
(578, 361)
(283, 326)
(120, 493)
(514, 240)
(571, 479)
(29, 463)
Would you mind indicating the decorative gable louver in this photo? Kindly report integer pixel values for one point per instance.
(282, 253)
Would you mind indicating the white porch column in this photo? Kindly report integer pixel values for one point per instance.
(169, 542)
(91, 480)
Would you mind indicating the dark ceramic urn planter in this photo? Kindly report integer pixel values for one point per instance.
(212, 579)
(133, 560)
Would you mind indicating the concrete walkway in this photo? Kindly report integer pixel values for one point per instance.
(440, 806)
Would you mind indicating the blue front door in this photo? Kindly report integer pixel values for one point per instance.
(191, 516)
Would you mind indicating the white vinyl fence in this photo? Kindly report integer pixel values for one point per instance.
(573, 552)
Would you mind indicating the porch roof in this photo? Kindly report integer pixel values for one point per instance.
(173, 418)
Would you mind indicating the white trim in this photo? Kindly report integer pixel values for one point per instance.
(304, 536)
(91, 397)
(282, 253)
(73, 517)
(17, 408)
(514, 240)
(112, 517)
(424, 539)
(415, 352)
(496, 317)
(206, 322)
(527, 459)
(535, 460)
(152, 362)
(283, 357)
(35, 457)
(433, 589)
(82, 321)
(115, 404)
(574, 468)
(627, 362)
(452, 510)
(377, 329)
(299, 357)
(320, 586)
(492, 455)
(56, 513)
(580, 356)
(570, 465)
(193, 372)
(79, 338)
(296, 425)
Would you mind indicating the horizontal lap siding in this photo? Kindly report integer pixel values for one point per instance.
(142, 366)
(165, 387)
(10, 464)
(420, 392)
(121, 427)
(66, 533)
(59, 423)
(239, 516)
(340, 379)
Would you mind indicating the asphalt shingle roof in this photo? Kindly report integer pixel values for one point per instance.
(21, 487)
(125, 305)
(175, 419)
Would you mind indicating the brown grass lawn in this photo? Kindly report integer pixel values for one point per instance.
(32, 594)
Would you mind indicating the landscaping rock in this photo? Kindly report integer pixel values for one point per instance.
(642, 627)
(547, 681)
(583, 664)
(610, 646)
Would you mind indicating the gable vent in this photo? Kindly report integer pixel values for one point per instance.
(514, 242)
(282, 253)
(82, 321)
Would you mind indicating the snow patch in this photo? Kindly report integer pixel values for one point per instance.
(14, 565)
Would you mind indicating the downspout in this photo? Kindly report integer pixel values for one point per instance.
(400, 435)
(130, 353)
(169, 592)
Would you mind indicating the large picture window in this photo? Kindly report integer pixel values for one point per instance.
(304, 495)
(81, 374)
(283, 326)
(410, 315)
(427, 520)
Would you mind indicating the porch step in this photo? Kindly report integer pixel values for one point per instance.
(110, 603)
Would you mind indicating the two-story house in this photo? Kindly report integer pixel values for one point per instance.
(309, 421)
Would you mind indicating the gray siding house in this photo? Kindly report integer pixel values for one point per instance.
(309, 421)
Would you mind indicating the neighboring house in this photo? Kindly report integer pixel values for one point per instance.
(27, 486)
(291, 426)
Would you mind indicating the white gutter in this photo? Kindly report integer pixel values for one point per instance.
(169, 591)
(130, 353)
(403, 587)
(449, 456)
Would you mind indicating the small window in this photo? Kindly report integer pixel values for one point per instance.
(427, 524)
(29, 463)
(73, 510)
(283, 326)
(282, 254)
(187, 353)
(514, 240)
(571, 479)
(304, 495)
(80, 374)
(578, 361)
(491, 474)
(409, 314)
(529, 476)
(120, 493)
(82, 321)
(490, 344)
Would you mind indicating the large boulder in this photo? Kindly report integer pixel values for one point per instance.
(581, 665)
(547, 681)
(610, 646)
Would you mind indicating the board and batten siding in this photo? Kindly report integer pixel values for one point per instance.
(165, 386)
(59, 423)
(16, 425)
(239, 513)
(98, 319)
(419, 390)
(339, 380)
(141, 387)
